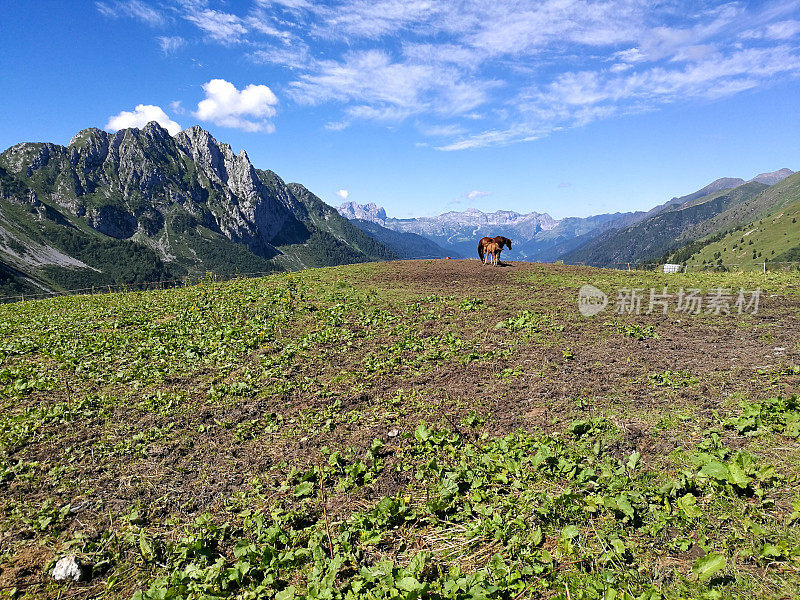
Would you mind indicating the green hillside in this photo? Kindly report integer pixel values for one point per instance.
(406, 245)
(773, 237)
(433, 429)
(767, 202)
(666, 230)
(142, 206)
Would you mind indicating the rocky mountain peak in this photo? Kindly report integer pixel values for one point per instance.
(205, 151)
(723, 183)
(154, 130)
(89, 135)
(773, 177)
(365, 212)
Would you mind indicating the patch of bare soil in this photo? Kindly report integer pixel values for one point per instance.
(587, 370)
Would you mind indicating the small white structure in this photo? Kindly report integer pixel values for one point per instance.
(670, 268)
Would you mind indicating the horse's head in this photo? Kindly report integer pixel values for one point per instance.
(504, 241)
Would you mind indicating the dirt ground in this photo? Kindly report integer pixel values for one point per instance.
(199, 461)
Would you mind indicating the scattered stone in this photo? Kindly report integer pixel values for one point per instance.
(70, 567)
(394, 433)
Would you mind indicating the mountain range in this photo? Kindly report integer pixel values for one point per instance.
(602, 240)
(141, 205)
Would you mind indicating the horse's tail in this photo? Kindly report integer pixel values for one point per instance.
(480, 250)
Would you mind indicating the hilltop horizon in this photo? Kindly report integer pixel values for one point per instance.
(352, 209)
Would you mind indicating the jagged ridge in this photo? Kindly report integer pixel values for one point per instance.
(186, 203)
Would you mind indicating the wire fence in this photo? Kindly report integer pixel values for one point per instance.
(762, 267)
(133, 287)
(188, 281)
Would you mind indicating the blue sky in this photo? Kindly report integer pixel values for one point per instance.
(560, 106)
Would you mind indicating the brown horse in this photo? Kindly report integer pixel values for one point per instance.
(498, 239)
(493, 250)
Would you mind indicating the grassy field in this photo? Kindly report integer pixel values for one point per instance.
(424, 429)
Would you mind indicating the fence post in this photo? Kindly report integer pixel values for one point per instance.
(765, 267)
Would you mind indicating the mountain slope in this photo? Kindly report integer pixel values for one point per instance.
(765, 203)
(140, 205)
(536, 236)
(772, 234)
(406, 245)
(652, 237)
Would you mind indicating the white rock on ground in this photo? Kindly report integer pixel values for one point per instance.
(69, 567)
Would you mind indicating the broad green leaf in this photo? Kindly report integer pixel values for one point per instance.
(287, 594)
(705, 566)
(737, 476)
(770, 551)
(688, 504)
(536, 536)
(715, 470)
(408, 584)
(624, 505)
(569, 532)
(304, 489)
(633, 461)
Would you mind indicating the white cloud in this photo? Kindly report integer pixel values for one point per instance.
(221, 27)
(477, 194)
(480, 74)
(368, 75)
(294, 57)
(287, 3)
(343, 194)
(262, 22)
(782, 30)
(378, 88)
(176, 107)
(170, 44)
(375, 18)
(337, 125)
(141, 116)
(131, 9)
(575, 99)
(620, 67)
(449, 130)
(248, 109)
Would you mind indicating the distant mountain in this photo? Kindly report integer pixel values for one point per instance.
(598, 239)
(406, 245)
(458, 232)
(773, 177)
(677, 222)
(718, 185)
(365, 212)
(536, 236)
(652, 237)
(572, 232)
(140, 205)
